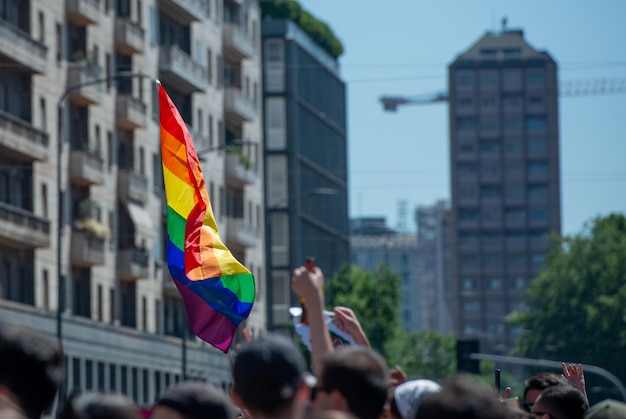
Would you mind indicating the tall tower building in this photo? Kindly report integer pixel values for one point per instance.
(504, 160)
(306, 160)
(82, 226)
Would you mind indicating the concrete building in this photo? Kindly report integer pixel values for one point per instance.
(82, 227)
(433, 254)
(306, 160)
(372, 243)
(504, 160)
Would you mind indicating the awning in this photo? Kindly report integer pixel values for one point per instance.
(142, 220)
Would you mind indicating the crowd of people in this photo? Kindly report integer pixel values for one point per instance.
(271, 380)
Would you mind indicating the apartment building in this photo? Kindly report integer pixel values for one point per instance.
(82, 223)
(504, 160)
(306, 160)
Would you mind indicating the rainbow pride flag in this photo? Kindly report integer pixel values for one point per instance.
(217, 290)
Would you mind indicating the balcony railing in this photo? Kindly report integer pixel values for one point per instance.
(23, 228)
(132, 263)
(237, 106)
(237, 44)
(18, 47)
(130, 112)
(186, 11)
(238, 172)
(87, 249)
(239, 234)
(86, 168)
(129, 36)
(132, 186)
(84, 12)
(21, 139)
(81, 73)
(176, 67)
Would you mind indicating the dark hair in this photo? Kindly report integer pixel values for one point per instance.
(31, 368)
(563, 402)
(462, 397)
(360, 375)
(94, 405)
(542, 381)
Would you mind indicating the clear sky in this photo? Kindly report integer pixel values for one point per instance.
(403, 47)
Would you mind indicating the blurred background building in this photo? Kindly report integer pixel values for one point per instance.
(306, 160)
(82, 227)
(504, 162)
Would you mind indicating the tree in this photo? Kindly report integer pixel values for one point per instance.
(373, 296)
(423, 354)
(577, 309)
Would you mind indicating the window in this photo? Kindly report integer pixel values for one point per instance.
(512, 52)
(465, 102)
(515, 238)
(494, 284)
(468, 261)
(112, 377)
(493, 261)
(537, 146)
(468, 284)
(100, 303)
(514, 192)
(464, 79)
(468, 238)
(468, 214)
(491, 214)
(518, 283)
(512, 124)
(46, 290)
(538, 214)
(470, 307)
(467, 169)
(43, 114)
(535, 100)
(515, 214)
(488, 103)
(467, 148)
(489, 124)
(465, 125)
(490, 170)
(535, 78)
(512, 78)
(516, 260)
(489, 147)
(44, 200)
(489, 52)
(209, 58)
(511, 102)
(490, 191)
(536, 122)
(538, 260)
(468, 192)
(537, 168)
(42, 27)
(488, 79)
(537, 191)
(59, 42)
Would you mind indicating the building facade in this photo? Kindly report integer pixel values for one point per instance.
(433, 253)
(82, 227)
(504, 160)
(305, 158)
(372, 244)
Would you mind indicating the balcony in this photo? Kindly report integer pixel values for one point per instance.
(177, 68)
(237, 44)
(83, 12)
(19, 139)
(86, 168)
(17, 47)
(86, 249)
(132, 186)
(129, 37)
(237, 107)
(81, 73)
(238, 171)
(132, 264)
(239, 234)
(21, 228)
(130, 112)
(185, 11)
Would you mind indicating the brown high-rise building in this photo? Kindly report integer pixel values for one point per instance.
(504, 160)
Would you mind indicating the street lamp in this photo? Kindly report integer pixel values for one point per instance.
(272, 207)
(63, 206)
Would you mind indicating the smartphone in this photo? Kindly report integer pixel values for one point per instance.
(497, 381)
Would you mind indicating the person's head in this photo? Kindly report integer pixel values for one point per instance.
(408, 395)
(31, 369)
(192, 400)
(462, 397)
(607, 409)
(560, 402)
(270, 377)
(353, 379)
(331, 414)
(534, 385)
(95, 405)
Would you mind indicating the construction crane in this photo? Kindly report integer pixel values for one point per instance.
(569, 88)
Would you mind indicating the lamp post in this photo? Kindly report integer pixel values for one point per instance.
(271, 208)
(63, 201)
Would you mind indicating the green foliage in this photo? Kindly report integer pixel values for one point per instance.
(373, 296)
(319, 31)
(423, 354)
(578, 304)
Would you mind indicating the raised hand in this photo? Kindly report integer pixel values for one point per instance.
(346, 320)
(575, 376)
